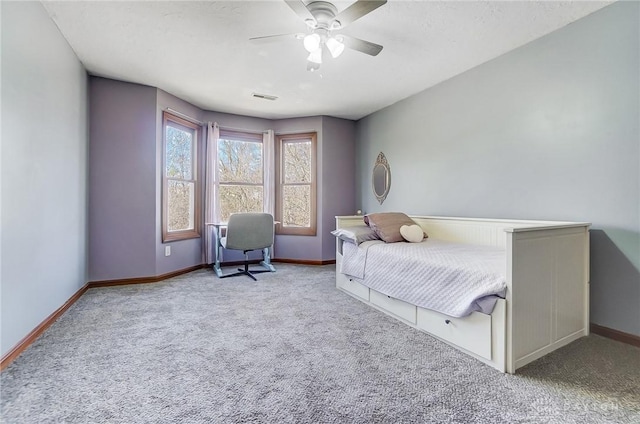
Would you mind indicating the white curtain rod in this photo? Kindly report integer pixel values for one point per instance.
(223, 127)
(295, 132)
(187, 117)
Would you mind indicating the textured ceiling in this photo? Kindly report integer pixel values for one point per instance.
(200, 51)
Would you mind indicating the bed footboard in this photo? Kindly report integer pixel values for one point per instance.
(548, 304)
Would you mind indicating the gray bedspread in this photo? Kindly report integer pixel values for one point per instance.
(451, 278)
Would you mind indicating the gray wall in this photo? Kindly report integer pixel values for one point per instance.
(122, 180)
(303, 247)
(126, 181)
(335, 189)
(547, 131)
(338, 173)
(43, 171)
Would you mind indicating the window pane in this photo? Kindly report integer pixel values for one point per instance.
(297, 162)
(240, 161)
(180, 210)
(234, 198)
(296, 206)
(179, 153)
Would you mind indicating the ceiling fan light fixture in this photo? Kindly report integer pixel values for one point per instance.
(316, 56)
(312, 42)
(335, 47)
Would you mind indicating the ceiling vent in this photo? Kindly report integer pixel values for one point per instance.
(264, 96)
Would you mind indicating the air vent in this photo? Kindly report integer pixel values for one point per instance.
(264, 96)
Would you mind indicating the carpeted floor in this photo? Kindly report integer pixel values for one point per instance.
(290, 348)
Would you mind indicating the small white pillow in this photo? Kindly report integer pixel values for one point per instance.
(412, 233)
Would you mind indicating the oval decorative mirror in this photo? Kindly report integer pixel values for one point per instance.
(381, 178)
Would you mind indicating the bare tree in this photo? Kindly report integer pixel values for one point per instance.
(241, 177)
(179, 170)
(297, 184)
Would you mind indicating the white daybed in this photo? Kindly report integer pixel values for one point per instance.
(547, 298)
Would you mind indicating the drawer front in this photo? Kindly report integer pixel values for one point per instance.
(353, 287)
(401, 309)
(472, 332)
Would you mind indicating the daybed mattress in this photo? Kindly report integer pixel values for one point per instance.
(451, 278)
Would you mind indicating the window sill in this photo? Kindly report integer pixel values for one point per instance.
(296, 232)
(180, 235)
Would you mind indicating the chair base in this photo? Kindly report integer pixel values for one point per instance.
(247, 271)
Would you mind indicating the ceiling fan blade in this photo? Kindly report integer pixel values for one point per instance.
(301, 10)
(357, 10)
(276, 38)
(365, 47)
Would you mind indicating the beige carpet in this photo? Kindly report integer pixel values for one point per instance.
(290, 348)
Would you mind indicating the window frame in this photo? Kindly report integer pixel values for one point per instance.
(281, 139)
(169, 119)
(239, 136)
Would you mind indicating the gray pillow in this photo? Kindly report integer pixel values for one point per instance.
(387, 225)
(356, 234)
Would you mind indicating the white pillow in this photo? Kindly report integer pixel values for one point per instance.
(412, 233)
(356, 234)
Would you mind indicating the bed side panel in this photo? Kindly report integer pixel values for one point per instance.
(549, 291)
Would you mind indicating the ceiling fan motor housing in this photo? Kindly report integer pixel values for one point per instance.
(324, 13)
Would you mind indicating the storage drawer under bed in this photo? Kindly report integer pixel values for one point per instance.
(399, 308)
(350, 285)
(472, 332)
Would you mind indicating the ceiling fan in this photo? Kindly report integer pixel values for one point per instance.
(323, 21)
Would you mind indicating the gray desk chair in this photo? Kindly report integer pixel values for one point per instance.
(247, 232)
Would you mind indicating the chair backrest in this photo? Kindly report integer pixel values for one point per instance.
(249, 231)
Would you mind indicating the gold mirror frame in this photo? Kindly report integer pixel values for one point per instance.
(381, 178)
